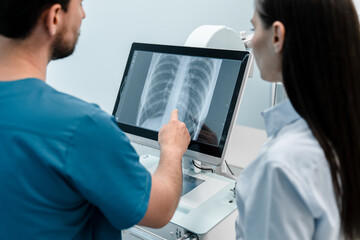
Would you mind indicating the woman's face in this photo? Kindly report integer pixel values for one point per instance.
(267, 56)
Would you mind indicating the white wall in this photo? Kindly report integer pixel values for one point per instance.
(94, 72)
(357, 5)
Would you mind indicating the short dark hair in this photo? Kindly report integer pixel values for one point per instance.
(321, 74)
(19, 17)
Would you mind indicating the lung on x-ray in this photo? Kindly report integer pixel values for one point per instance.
(182, 82)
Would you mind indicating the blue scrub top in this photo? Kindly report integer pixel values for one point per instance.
(66, 170)
(287, 191)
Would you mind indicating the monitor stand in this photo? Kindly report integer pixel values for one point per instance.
(207, 200)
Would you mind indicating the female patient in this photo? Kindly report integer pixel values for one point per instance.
(305, 182)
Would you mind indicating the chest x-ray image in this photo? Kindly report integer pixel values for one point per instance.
(182, 82)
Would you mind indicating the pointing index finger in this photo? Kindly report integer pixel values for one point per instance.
(174, 115)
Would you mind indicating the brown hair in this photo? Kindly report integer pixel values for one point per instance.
(18, 17)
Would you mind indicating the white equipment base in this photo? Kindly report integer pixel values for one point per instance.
(201, 211)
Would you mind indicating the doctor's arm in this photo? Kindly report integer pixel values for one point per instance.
(166, 183)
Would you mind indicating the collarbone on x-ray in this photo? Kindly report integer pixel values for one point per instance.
(182, 82)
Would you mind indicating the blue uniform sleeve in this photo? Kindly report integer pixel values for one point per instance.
(271, 206)
(105, 169)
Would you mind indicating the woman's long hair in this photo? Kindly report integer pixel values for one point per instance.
(321, 75)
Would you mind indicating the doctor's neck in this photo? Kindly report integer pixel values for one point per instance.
(20, 59)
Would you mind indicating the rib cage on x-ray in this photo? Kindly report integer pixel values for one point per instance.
(194, 93)
(158, 91)
(185, 83)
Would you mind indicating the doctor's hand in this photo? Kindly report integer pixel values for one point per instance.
(174, 137)
(167, 179)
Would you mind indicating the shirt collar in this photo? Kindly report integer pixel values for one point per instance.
(279, 116)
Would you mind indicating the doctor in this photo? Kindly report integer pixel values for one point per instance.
(305, 182)
(66, 170)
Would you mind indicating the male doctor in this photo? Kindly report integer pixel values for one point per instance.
(66, 170)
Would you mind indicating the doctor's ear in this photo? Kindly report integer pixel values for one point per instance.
(53, 18)
(278, 36)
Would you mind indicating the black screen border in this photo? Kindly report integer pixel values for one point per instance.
(196, 146)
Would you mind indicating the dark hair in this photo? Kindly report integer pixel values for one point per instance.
(19, 17)
(321, 74)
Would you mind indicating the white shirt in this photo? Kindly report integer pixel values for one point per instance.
(287, 192)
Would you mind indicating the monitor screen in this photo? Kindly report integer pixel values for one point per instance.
(203, 84)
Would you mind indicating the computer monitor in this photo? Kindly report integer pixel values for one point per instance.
(205, 85)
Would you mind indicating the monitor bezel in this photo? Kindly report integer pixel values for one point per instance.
(196, 150)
